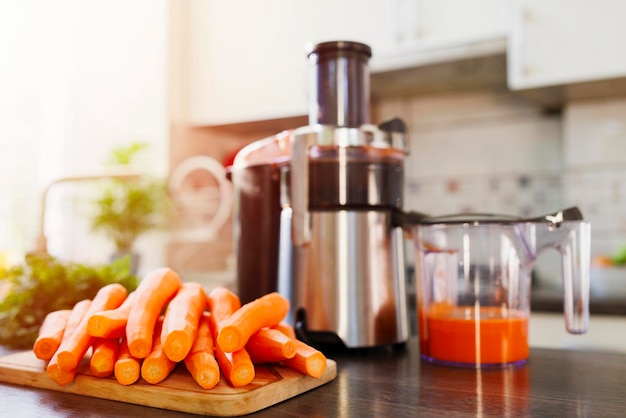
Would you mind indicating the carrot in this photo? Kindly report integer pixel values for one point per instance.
(79, 311)
(307, 360)
(61, 377)
(103, 357)
(236, 367)
(266, 311)
(127, 368)
(153, 293)
(203, 368)
(50, 334)
(204, 340)
(111, 323)
(222, 303)
(286, 329)
(180, 325)
(200, 361)
(64, 377)
(73, 349)
(270, 346)
(156, 366)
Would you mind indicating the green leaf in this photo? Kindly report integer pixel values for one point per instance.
(127, 208)
(620, 256)
(42, 284)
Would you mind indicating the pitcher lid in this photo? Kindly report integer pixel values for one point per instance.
(556, 218)
(471, 218)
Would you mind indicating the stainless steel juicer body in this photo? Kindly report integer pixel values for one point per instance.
(340, 255)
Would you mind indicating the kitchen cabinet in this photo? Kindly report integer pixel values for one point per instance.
(423, 32)
(406, 33)
(246, 60)
(563, 42)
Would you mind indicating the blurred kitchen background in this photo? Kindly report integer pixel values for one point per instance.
(513, 106)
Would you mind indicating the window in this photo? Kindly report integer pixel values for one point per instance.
(76, 79)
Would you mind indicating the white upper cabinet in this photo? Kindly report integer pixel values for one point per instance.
(561, 42)
(247, 58)
(432, 31)
(406, 33)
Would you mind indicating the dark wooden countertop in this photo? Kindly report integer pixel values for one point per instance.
(554, 383)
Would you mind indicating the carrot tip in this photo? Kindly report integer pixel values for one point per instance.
(127, 373)
(317, 366)
(176, 347)
(67, 361)
(243, 375)
(229, 339)
(207, 379)
(44, 350)
(140, 349)
(289, 351)
(61, 377)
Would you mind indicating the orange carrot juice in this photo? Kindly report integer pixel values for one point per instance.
(452, 334)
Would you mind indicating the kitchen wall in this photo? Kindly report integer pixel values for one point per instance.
(484, 151)
(594, 176)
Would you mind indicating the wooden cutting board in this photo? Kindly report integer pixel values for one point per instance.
(179, 392)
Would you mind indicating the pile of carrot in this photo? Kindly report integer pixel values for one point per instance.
(165, 322)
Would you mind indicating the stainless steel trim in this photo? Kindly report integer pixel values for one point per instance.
(365, 135)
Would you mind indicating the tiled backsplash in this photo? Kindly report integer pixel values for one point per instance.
(523, 194)
(594, 175)
(479, 152)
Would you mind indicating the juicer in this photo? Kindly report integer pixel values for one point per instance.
(314, 211)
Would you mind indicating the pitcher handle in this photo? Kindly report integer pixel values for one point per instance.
(575, 256)
(557, 218)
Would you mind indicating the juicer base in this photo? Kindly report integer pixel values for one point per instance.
(330, 342)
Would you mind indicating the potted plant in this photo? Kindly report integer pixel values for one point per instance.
(130, 206)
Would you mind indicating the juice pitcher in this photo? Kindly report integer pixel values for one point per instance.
(473, 277)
